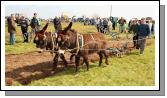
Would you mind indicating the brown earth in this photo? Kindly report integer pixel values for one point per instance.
(25, 68)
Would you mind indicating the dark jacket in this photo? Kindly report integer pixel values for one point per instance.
(152, 27)
(105, 22)
(114, 19)
(23, 24)
(122, 22)
(134, 28)
(34, 22)
(11, 25)
(57, 24)
(129, 24)
(144, 30)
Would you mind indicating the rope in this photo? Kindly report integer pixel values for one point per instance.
(100, 49)
(78, 47)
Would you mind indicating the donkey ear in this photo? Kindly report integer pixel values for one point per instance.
(44, 28)
(68, 27)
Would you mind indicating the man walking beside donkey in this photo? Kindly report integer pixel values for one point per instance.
(143, 32)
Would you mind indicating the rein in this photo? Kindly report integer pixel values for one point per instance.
(53, 45)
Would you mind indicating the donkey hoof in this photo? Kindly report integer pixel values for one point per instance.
(76, 71)
(107, 63)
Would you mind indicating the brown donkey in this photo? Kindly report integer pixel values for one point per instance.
(45, 40)
(82, 45)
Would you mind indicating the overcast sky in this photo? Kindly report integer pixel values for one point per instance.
(50, 11)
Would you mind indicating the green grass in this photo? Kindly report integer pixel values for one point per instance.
(19, 47)
(131, 70)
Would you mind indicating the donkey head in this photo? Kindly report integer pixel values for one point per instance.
(65, 37)
(40, 38)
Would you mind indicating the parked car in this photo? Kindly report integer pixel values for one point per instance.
(80, 19)
(92, 21)
(87, 21)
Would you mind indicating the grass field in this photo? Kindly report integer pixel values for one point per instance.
(131, 70)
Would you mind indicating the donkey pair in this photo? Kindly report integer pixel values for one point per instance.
(68, 39)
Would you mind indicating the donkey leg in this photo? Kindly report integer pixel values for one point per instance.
(71, 57)
(106, 54)
(64, 61)
(101, 57)
(55, 61)
(77, 59)
(86, 62)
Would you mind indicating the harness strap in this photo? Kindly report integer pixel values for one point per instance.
(81, 42)
(77, 43)
(52, 43)
(55, 34)
(92, 37)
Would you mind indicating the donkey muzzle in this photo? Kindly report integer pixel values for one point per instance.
(61, 51)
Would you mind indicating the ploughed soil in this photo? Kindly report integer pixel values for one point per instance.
(27, 67)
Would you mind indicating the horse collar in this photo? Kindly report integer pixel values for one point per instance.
(80, 40)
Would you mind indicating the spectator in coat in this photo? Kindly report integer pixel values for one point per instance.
(109, 26)
(130, 23)
(24, 28)
(12, 28)
(114, 21)
(101, 25)
(57, 24)
(97, 24)
(35, 24)
(105, 25)
(143, 32)
(134, 27)
(153, 27)
(150, 25)
(122, 23)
